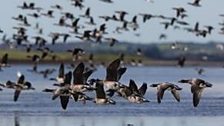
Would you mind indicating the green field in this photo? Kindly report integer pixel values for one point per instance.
(21, 56)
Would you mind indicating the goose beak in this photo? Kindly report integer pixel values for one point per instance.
(179, 88)
(32, 88)
(153, 85)
(208, 84)
(182, 81)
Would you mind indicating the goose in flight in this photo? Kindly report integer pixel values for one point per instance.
(195, 3)
(132, 93)
(162, 87)
(4, 61)
(107, 1)
(197, 87)
(18, 86)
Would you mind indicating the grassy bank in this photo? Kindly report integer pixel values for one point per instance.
(16, 56)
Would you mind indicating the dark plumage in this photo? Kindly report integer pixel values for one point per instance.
(197, 86)
(162, 87)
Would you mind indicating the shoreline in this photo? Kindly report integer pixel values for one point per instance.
(145, 63)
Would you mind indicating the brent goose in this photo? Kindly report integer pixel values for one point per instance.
(20, 85)
(132, 93)
(197, 86)
(162, 87)
(113, 75)
(59, 7)
(196, 3)
(62, 91)
(80, 79)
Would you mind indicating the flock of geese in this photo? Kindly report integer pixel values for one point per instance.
(85, 26)
(74, 85)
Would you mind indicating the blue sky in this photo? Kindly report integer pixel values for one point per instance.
(208, 14)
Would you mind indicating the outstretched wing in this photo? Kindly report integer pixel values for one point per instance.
(176, 94)
(68, 78)
(197, 97)
(21, 79)
(120, 72)
(16, 94)
(61, 71)
(100, 93)
(160, 94)
(142, 89)
(112, 70)
(78, 74)
(64, 101)
(133, 87)
(86, 75)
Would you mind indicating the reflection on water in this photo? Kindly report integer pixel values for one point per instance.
(18, 120)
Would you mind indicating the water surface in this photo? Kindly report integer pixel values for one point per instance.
(36, 108)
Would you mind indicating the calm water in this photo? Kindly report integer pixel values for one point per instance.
(36, 108)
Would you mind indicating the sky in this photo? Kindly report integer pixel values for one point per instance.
(149, 32)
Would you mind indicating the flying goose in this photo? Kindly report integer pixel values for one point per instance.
(121, 15)
(162, 87)
(48, 14)
(80, 79)
(59, 7)
(132, 93)
(197, 86)
(4, 61)
(113, 75)
(78, 3)
(63, 91)
(179, 11)
(20, 85)
(195, 3)
(87, 13)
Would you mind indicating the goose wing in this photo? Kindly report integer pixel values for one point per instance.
(142, 89)
(196, 91)
(68, 78)
(161, 88)
(86, 75)
(121, 71)
(160, 94)
(21, 79)
(112, 69)
(16, 94)
(61, 71)
(176, 94)
(64, 101)
(100, 93)
(133, 87)
(197, 97)
(78, 74)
